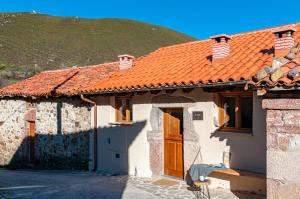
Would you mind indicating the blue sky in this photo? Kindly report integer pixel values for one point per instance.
(198, 18)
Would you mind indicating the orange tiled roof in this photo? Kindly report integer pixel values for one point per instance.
(287, 76)
(59, 82)
(85, 76)
(185, 64)
(191, 64)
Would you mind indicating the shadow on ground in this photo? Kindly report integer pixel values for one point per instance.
(71, 151)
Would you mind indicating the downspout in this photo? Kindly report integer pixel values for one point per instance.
(95, 128)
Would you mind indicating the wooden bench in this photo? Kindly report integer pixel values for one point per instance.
(236, 172)
(238, 180)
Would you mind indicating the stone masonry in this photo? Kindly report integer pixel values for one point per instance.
(12, 132)
(61, 137)
(283, 147)
(62, 133)
(156, 135)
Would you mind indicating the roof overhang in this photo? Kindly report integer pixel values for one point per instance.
(129, 90)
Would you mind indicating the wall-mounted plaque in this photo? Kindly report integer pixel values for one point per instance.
(197, 115)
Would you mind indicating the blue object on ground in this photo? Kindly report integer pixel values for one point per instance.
(198, 170)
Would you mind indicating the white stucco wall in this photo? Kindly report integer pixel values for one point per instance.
(248, 151)
(129, 141)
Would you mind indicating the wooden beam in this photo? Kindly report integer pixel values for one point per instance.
(124, 94)
(224, 89)
(170, 91)
(108, 95)
(155, 92)
(217, 89)
(187, 90)
(141, 92)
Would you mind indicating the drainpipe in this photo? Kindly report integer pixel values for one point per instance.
(95, 128)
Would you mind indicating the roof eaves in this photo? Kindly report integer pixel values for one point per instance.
(208, 85)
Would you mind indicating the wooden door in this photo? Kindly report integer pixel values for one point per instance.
(31, 135)
(173, 136)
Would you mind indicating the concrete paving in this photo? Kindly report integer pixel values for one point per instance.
(58, 184)
(84, 185)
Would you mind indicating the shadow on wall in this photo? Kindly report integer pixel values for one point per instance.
(247, 153)
(71, 151)
(247, 149)
(114, 143)
(53, 151)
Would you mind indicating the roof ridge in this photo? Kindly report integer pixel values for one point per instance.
(264, 29)
(172, 46)
(184, 44)
(233, 35)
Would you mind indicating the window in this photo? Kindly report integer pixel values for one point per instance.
(236, 112)
(123, 109)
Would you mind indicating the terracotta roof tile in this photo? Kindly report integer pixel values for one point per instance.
(283, 80)
(85, 76)
(188, 63)
(59, 82)
(183, 64)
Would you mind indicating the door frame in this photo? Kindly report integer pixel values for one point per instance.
(165, 113)
(31, 141)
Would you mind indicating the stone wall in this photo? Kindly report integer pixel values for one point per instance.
(62, 132)
(61, 137)
(13, 149)
(283, 147)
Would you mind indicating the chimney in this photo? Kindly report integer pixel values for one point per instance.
(220, 47)
(126, 61)
(284, 40)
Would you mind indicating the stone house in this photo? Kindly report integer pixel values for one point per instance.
(44, 124)
(228, 99)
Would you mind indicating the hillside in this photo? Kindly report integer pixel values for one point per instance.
(30, 43)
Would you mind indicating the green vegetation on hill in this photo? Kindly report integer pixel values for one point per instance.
(30, 43)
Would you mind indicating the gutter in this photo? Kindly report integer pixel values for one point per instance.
(83, 98)
(209, 85)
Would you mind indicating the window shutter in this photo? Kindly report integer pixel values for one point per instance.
(219, 118)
